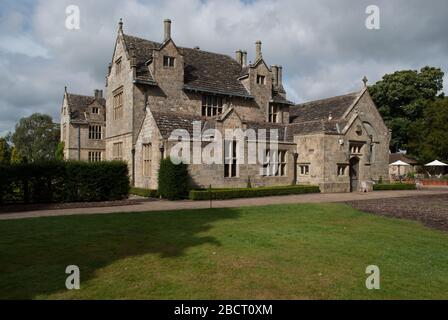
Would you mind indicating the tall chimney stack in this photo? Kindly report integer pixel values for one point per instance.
(258, 50)
(239, 56)
(280, 76)
(274, 69)
(244, 58)
(167, 29)
(98, 94)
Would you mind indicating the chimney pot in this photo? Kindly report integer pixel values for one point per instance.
(274, 69)
(167, 29)
(258, 54)
(280, 75)
(98, 94)
(244, 58)
(239, 56)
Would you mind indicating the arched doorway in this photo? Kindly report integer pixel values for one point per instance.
(354, 173)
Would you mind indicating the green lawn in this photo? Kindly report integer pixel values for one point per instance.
(275, 252)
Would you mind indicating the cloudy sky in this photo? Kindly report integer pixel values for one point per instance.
(324, 46)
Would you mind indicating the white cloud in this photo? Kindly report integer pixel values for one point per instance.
(24, 45)
(323, 45)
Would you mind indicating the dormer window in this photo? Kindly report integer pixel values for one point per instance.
(168, 61)
(118, 66)
(261, 79)
(95, 110)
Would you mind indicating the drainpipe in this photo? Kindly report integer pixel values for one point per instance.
(79, 142)
(133, 167)
(295, 156)
(162, 149)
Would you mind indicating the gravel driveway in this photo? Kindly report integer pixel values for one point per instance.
(431, 210)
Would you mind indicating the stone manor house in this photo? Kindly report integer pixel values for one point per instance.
(339, 143)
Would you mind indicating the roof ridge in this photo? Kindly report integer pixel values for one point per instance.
(80, 95)
(140, 38)
(329, 98)
(178, 114)
(181, 47)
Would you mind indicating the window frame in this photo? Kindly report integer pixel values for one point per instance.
(117, 150)
(117, 104)
(169, 62)
(118, 66)
(146, 159)
(275, 166)
(304, 169)
(273, 113)
(95, 156)
(342, 167)
(212, 105)
(95, 132)
(261, 79)
(231, 169)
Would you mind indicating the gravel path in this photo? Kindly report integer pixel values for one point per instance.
(161, 205)
(431, 210)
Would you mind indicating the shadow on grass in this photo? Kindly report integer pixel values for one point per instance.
(35, 252)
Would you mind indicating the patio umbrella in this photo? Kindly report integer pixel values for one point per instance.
(436, 163)
(399, 163)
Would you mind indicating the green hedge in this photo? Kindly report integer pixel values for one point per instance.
(147, 193)
(58, 181)
(221, 194)
(394, 186)
(173, 180)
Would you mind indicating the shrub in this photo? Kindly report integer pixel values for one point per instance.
(147, 193)
(410, 175)
(59, 153)
(221, 194)
(394, 186)
(58, 181)
(173, 180)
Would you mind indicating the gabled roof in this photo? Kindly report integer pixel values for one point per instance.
(143, 52)
(167, 122)
(400, 156)
(204, 71)
(213, 72)
(78, 104)
(282, 130)
(278, 98)
(317, 126)
(321, 109)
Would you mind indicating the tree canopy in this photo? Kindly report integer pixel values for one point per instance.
(402, 98)
(428, 136)
(36, 137)
(5, 151)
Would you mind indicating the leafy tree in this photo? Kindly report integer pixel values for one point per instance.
(5, 151)
(36, 137)
(402, 98)
(15, 156)
(59, 154)
(429, 135)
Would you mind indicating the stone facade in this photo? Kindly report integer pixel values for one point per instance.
(340, 143)
(83, 123)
